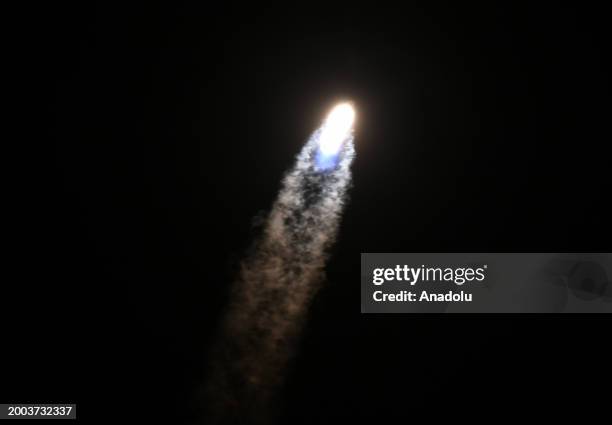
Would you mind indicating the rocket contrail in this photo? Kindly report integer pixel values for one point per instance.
(276, 282)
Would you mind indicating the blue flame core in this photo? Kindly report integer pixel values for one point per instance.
(324, 162)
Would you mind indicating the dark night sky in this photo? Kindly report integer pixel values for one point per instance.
(166, 129)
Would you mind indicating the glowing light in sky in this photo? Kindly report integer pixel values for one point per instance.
(336, 128)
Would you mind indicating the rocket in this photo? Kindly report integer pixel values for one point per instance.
(336, 129)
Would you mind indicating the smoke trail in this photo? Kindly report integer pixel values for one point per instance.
(275, 285)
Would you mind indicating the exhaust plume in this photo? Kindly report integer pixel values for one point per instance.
(277, 280)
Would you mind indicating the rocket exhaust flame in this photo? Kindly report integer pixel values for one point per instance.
(271, 297)
(336, 128)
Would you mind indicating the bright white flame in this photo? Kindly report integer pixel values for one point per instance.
(336, 129)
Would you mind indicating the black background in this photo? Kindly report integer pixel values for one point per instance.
(153, 135)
